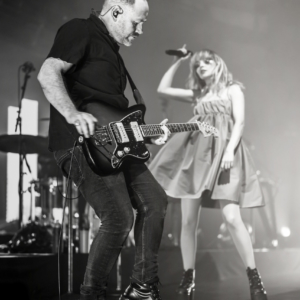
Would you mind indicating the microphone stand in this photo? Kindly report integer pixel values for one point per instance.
(22, 151)
(69, 194)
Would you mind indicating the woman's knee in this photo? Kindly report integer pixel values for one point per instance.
(232, 220)
(189, 224)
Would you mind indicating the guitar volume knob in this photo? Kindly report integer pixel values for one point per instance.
(120, 153)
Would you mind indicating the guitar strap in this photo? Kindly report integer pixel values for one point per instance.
(136, 93)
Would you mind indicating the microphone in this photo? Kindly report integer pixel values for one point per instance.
(28, 67)
(179, 53)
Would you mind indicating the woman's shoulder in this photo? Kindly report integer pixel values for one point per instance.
(234, 89)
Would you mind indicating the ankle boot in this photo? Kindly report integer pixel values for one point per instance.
(138, 291)
(256, 286)
(187, 284)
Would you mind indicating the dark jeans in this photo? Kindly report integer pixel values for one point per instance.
(112, 197)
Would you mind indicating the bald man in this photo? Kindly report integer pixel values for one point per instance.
(84, 66)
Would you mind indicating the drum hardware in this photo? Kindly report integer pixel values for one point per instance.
(27, 68)
(23, 144)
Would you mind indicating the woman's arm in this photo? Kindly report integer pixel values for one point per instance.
(165, 89)
(238, 107)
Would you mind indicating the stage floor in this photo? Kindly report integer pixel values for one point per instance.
(220, 275)
(279, 287)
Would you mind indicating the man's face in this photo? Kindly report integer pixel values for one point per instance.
(129, 25)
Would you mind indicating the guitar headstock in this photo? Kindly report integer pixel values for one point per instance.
(207, 129)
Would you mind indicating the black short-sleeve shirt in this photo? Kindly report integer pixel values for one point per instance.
(98, 73)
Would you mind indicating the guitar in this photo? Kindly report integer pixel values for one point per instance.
(115, 142)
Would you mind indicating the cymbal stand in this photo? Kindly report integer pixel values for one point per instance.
(69, 195)
(70, 241)
(32, 200)
(22, 151)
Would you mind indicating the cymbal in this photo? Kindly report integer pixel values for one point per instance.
(30, 144)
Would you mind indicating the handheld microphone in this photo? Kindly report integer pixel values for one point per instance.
(179, 53)
(28, 67)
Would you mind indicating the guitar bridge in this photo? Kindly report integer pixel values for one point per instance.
(101, 136)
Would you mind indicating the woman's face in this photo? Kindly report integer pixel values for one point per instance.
(205, 67)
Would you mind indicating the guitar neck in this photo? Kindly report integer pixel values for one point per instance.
(155, 129)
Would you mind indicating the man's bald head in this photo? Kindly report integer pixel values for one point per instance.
(126, 2)
(124, 19)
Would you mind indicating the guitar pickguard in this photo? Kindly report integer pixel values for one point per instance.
(128, 139)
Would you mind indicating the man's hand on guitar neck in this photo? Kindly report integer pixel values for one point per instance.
(163, 138)
(84, 122)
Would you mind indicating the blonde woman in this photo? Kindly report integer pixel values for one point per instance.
(210, 172)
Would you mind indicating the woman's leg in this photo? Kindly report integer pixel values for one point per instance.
(241, 238)
(190, 214)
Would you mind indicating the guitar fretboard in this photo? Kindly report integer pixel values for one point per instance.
(155, 129)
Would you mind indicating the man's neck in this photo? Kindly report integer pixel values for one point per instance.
(102, 19)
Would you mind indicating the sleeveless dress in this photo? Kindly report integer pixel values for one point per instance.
(188, 165)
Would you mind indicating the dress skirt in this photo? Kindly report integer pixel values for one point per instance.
(188, 165)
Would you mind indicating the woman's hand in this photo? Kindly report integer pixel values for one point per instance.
(227, 160)
(184, 51)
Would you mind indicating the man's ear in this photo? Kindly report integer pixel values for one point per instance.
(116, 11)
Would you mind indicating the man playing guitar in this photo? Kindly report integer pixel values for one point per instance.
(84, 66)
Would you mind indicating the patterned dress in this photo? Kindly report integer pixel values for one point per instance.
(188, 165)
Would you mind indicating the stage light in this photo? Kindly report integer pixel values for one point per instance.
(57, 214)
(285, 231)
(275, 243)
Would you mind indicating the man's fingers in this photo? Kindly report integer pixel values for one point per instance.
(164, 122)
(85, 129)
(85, 124)
(78, 127)
(160, 141)
(95, 120)
(165, 130)
(89, 119)
(166, 133)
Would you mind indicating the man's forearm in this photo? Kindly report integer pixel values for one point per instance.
(51, 80)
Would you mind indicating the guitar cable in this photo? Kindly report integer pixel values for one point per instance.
(63, 218)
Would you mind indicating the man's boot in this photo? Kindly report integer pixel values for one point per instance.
(138, 291)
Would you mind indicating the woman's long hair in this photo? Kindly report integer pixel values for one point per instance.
(222, 78)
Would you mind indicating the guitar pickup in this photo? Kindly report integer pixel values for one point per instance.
(136, 131)
(120, 132)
